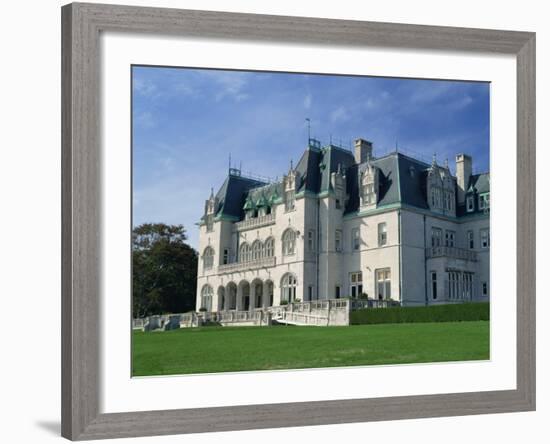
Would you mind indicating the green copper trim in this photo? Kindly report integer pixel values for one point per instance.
(224, 217)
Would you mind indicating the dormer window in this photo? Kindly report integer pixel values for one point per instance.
(369, 193)
(441, 189)
(290, 200)
(210, 223)
(470, 204)
(484, 201)
(369, 186)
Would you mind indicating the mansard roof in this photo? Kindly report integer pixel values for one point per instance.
(402, 180)
(479, 183)
(232, 195)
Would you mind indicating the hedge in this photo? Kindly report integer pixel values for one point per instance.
(478, 311)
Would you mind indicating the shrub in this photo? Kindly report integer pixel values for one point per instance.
(470, 311)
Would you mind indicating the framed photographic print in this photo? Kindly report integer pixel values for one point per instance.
(278, 221)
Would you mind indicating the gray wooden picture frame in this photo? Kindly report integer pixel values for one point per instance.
(81, 172)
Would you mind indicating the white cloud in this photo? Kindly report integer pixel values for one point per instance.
(340, 114)
(461, 103)
(145, 119)
(429, 92)
(186, 89)
(307, 101)
(145, 87)
(230, 83)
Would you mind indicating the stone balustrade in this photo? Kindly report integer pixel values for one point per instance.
(452, 252)
(255, 222)
(248, 265)
(323, 312)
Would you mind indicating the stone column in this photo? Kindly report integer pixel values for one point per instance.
(240, 297)
(265, 295)
(252, 297)
(226, 298)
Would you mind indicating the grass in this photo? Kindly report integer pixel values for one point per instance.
(230, 349)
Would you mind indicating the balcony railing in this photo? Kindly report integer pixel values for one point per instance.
(249, 265)
(255, 222)
(452, 252)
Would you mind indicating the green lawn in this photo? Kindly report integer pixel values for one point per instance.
(229, 349)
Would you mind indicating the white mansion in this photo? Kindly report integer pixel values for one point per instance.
(347, 224)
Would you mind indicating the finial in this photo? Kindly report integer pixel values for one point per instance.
(434, 159)
(447, 163)
(291, 165)
(211, 193)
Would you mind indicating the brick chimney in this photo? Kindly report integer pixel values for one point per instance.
(463, 174)
(363, 150)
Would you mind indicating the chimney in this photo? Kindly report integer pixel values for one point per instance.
(363, 150)
(463, 173)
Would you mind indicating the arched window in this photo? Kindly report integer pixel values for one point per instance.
(206, 297)
(256, 250)
(269, 248)
(244, 253)
(289, 242)
(288, 287)
(208, 258)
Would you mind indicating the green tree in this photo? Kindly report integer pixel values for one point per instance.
(164, 270)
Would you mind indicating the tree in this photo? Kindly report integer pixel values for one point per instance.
(164, 270)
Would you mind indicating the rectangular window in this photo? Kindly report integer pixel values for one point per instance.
(311, 241)
(485, 239)
(209, 223)
(290, 198)
(356, 284)
(436, 237)
(338, 240)
(484, 289)
(383, 284)
(470, 204)
(434, 285)
(355, 239)
(369, 193)
(470, 239)
(310, 293)
(449, 238)
(225, 256)
(382, 234)
(338, 204)
(484, 201)
(337, 292)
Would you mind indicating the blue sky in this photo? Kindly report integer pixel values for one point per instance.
(186, 122)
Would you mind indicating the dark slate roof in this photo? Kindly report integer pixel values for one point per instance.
(232, 194)
(331, 157)
(308, 167)
(479, 183)
(402, 180)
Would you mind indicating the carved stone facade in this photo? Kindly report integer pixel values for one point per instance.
(344, 223)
